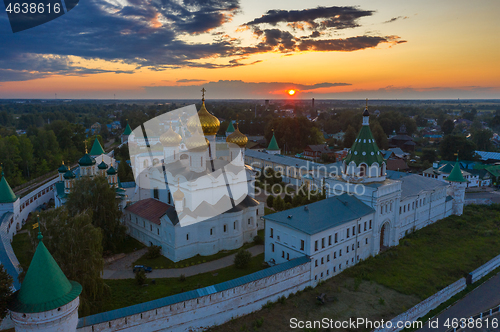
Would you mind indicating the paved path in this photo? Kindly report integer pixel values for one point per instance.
(122, 269)
(480, 299)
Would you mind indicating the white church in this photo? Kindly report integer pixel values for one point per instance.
(194, 195)
(365, 212)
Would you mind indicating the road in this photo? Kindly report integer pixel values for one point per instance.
(480, 299)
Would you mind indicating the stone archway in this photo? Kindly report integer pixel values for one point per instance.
(384, 235)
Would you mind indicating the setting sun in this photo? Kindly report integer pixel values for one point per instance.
(291, 92)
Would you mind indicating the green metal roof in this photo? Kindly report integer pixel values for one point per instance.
(111, 171)
(6, 193)
(86, 160)
(97, 149)
(69, 175)
(230, 128)
(273, 145)
(127, 131)
(456, 174)
(45, 287)
(62, 168)
(102, 165)
(365, 149)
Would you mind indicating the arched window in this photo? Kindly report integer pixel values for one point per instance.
(362, 170)
(145, 163)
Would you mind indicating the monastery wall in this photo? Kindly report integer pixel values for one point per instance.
(214, 305)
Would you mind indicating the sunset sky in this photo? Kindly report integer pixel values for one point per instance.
(387, 49)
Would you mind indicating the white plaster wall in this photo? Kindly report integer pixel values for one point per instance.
(215, 309)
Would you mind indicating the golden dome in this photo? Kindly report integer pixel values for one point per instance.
(237, 138)
(196, 143)
(209, 123)
(170, 138)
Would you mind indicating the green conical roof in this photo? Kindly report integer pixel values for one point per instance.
(97, 149)
(6, 193)
(230, 128)
(456, 174)
(69, 175)
(111, 171)
(365, 149)
(127, 131)
(273, 145)
(86, 160)
(45, 287)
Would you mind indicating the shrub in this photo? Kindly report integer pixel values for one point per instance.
(153, 252)
(258, 240)
(182, 278)
(242, 259)
(140, 277)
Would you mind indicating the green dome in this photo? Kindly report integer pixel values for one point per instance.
(62, 168)
(45, 287)
(69, 175)
(6, 193)
(86, 160)
(102, 165)
(111, 171)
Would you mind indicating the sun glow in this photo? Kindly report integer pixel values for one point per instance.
(291, 92)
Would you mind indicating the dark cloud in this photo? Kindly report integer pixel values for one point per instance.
(394, 19)
(236, 89)
(320, 17)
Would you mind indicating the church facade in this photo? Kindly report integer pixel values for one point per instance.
(194, 196)
(365, 212)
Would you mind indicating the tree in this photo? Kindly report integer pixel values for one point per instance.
(5, 291)
(99, 198)
(453, 143)
(140, 277)
(76, 246)
(379, 135)
(270, 200)
(429, 155)
(448, 126)
(349, 137)
(125, 173)
(482, 138)
(242, 259)
(278, 204)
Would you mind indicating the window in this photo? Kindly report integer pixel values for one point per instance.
(381, 209)
(316, 263)
(211, 231)
(282, 254)
(408, 206)
(187, 237)
(234, 225)
(151, 228)
(322, 260)
(334, 255)
(225, 230)
(340, 253)
(334, 269)
(353, 246)
(327, 272)
(287, 256)
(413, 206)
(322, 242)
(321, 274)
(366, 241)
(316, 277)
(348, 232)
(352, 260)
(158, 231)
(302, 244)
(156, 193)
(364, 227)
(316, 245)
(249, 221)
(347, 249)
(327, 258)
(358, 244)
(336, 237)
(359, 228)
(353, 230)
(386, 208)
(404, 208)
(400, 210)
(330, 240)
(272, 247)
(370, 224)
(340, 266)
(272, 231)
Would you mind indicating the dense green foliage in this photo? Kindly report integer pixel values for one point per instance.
(5, 291)
(242, 259)
(97, 197)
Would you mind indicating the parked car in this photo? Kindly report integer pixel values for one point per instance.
(138, 268)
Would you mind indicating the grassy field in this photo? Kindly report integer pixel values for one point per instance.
(163, 262)
(392, 282)
(126, 292)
